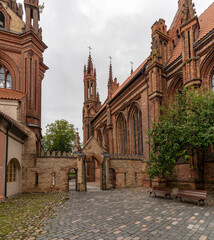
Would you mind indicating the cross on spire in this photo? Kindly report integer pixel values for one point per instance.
(110, 59)
(90, 48)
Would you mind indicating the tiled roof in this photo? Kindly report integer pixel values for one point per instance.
(176, 53)
(19, 126)
(206, 21)
(129, 78)
(11, 94)
(125, 83)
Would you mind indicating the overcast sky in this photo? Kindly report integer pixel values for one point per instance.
(117, 28)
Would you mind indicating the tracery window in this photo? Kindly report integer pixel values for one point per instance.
(2, 20)
(137, 132)
(122, 135)
(11, 171)
(5, 78)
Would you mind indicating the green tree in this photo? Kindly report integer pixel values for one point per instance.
(184, 129)
(59, 136)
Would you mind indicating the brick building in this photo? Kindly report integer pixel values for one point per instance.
(21, 73)
(182, 55)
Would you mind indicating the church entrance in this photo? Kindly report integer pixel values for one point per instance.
(93, 173)
(72, 179)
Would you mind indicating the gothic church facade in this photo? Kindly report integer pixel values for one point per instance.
(182, 55)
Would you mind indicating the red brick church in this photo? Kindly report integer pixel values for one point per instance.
(21, 72)
(181, 55)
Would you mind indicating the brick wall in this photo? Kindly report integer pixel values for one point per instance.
(45, 168)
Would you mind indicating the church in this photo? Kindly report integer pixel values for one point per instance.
(21, 72)
(181, 56)
(115, 150)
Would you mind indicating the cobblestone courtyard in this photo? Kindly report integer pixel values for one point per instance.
(128, 214)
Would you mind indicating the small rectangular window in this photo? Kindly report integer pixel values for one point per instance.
(189, 45)
(125, 179)
(135, 177)
(36, 179)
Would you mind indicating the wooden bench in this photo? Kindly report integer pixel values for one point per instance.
(164, 191)
(199, 195)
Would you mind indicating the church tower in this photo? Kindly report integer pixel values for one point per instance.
(91, 98)
(189, 31)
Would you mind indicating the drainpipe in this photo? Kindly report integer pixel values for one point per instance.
(6, 160)
(150, 180)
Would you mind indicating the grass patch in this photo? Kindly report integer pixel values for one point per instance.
(22, 215)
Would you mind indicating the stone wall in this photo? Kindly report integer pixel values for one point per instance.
(41, 177)
(128, 171)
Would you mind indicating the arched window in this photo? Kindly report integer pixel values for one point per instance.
(106, 138)
(212, 83)
(137, 132)
(5, 78)
(11, 171)
(122, 135)
(2, 20)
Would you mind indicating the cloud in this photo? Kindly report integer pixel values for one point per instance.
(120, 28)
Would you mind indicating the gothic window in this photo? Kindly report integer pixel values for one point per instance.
(137, 132)
(5, 78)
(2, 20)
(11, 171)
(122, 135)
(212, 83)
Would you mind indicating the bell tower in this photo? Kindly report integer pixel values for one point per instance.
(32, 15)
(92, 102)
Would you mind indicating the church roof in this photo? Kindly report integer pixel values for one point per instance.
(206, 21)
(122, 86)
(11, 94)
(15, 125)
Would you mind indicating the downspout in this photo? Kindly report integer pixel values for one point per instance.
(150, 180)
(6, 160)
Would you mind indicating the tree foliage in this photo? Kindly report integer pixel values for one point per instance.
(184, 129)
(59, 136)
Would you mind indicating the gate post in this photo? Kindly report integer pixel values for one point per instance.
(81, 176)
(105, 172)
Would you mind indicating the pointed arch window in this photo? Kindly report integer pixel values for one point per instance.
(11, 171)
(2, 20)
(137, 132)
(122, 135)
(5, 78)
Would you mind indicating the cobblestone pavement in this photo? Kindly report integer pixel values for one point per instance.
(126, 215)
(22, 217)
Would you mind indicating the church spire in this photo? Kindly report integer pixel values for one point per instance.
(110, 79)
(90, 64)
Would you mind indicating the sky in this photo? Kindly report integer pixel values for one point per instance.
(117, 28)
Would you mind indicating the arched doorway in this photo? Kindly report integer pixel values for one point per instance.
(93, 170)
(13, 177)
(72, 179)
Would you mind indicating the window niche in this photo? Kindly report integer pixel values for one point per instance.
(5, 78)
(2, 20)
